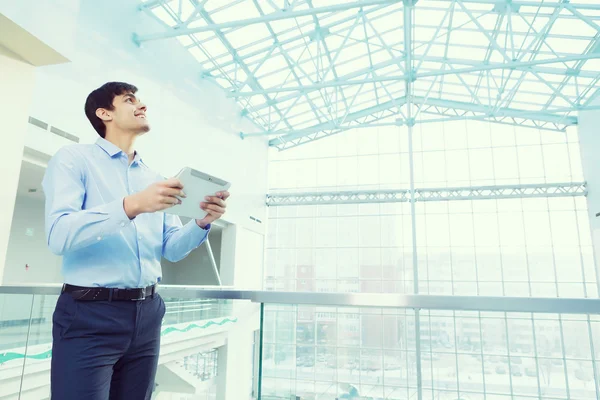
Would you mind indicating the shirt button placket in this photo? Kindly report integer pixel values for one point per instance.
(129, 189)
(139, 237)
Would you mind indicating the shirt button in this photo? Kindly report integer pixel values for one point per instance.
(139, 237)
(122, 223)
(99, 238)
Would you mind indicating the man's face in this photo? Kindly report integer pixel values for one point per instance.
(129, 114)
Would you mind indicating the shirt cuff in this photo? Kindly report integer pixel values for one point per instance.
(116, 214)
(197, 234)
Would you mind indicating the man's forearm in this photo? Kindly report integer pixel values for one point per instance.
(178, 243)
(76, 230)
(131, 207)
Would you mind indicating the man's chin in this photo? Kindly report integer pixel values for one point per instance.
(144, 129)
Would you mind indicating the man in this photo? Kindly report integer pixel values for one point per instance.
(103, 216)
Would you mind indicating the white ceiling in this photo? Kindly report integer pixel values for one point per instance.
(26, 46)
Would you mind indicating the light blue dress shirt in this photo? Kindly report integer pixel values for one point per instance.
(85, 221)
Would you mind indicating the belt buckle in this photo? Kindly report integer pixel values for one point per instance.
(142, 295)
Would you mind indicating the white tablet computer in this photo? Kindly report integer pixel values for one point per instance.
(196, 185)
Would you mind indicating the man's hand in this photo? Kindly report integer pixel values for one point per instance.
(215, 207)
(156, 197)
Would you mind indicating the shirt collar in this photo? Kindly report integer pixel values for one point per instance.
(111, 149)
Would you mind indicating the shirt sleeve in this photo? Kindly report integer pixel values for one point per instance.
(69, 227)
(179, 240)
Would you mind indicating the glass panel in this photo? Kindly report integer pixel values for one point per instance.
(326, 352)
(353, 357)
(193, 346)
(16, 324)
(463, 355)
(194, 338)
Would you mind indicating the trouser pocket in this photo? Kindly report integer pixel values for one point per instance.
(64, 315)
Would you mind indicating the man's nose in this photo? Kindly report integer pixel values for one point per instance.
(142, 107)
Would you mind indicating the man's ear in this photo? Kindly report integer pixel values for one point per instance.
(104, 114)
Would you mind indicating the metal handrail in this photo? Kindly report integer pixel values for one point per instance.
(551, 305)
(54, 288)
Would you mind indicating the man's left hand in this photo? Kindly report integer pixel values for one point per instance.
(215, 207)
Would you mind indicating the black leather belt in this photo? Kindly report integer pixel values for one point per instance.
(110, 294)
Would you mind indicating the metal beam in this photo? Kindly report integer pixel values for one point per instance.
(453, 61)
(376, 67)
(288, 136)
(448, 90)
(452, 115)
(291, 66)
(287, 41)
(423, 43)
(511, 117)
(482, 67)
(252, 81)
(510, 121)
(486, 111)
(500, 112)
(409, 6)
(407, 85)
(422, 195)
(532, 3)
(277, 16)
(381, 116)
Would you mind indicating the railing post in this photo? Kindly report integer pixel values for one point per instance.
(260, 349)
(26, 345)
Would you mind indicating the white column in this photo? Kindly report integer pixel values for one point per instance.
(222, 372)
(16, 88)
(242, 257)
(228, 250)
(235, 362)
(589, 143)
(249, 252)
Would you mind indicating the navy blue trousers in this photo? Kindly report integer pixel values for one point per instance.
(105, 350)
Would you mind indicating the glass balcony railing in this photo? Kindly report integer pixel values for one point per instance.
(221, 343)
(193, 331)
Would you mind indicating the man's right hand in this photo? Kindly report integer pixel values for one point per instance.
(156, 197)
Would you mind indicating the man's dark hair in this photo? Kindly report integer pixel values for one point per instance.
(103, 98)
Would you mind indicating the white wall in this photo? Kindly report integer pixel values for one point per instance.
(27, 246)
(16, 85)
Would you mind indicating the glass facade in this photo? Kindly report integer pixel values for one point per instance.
(538, 247)
(317, 353)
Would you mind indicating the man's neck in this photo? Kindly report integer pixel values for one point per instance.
(124, 141)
